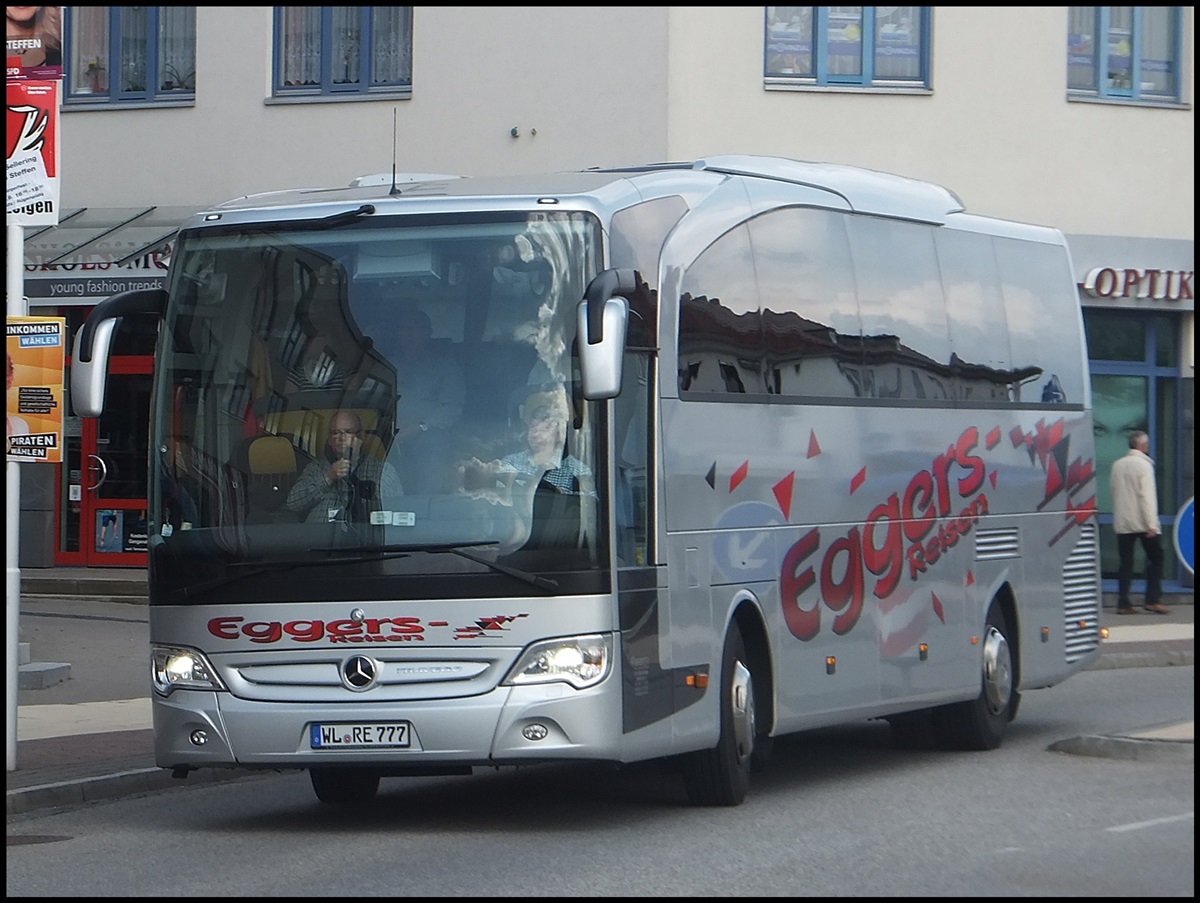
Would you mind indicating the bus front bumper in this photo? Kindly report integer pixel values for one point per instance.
(509, 725)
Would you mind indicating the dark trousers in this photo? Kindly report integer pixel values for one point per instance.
(1152, 546)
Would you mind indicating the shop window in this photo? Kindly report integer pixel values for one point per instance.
(1114, 337)
(343, 51)
(117, 55)
(1136, 386)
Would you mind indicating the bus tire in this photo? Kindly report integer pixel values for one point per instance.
(981, 723)
(344, 786)
(720, 776)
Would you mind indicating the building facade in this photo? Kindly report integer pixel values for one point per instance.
(1076, 117)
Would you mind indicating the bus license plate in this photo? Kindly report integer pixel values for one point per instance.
(357, 735)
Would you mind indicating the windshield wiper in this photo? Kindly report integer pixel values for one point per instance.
(532, 579)
(271, 567)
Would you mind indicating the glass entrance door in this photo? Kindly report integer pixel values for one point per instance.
(102, 520)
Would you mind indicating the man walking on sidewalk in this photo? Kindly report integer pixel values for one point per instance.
(1135, 517)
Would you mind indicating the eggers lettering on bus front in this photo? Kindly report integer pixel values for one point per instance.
(350, 630)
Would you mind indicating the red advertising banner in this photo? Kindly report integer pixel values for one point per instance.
(31, 135)
(36, 360)
(34, 43)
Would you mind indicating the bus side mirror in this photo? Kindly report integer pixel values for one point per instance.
(603, 318)
(93, 343)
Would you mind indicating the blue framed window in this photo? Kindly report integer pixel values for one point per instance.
(851, 46)
(1136, 385)
(1124, 52)
(129, 54)
(344, 51)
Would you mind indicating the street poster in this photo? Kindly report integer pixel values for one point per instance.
(31, 134)
(36, 360)
(33, 43)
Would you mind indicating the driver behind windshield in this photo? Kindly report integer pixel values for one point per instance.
(344, 485)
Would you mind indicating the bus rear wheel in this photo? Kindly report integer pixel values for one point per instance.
(344, 786)
(981, 723)
(720, 776)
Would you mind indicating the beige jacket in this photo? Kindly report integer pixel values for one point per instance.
(1134, 496)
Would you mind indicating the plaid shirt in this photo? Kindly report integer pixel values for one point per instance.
(564, 477)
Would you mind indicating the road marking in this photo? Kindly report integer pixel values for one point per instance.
(1153, 823)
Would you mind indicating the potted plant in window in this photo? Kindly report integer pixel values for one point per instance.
(175, 80)
(95, 72)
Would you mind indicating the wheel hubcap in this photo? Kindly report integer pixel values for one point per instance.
(997, 671)
(743, 712)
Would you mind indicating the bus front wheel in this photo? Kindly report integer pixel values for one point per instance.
(981, 723)
(720, 776)
(344, 786)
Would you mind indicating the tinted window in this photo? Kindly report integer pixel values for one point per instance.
(810, 316)
(906, 345)
(720, 321)
(1043, 320)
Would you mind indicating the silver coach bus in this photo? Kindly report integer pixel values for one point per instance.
(650, 462)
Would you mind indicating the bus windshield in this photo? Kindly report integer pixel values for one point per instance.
(377, 407)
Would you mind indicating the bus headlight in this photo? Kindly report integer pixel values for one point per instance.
(175, 668)
(581, 661)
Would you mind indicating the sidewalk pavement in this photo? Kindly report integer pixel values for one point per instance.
(70, 752)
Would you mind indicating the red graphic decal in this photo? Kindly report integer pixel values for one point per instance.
(858, 480)
(937, 608)
(783, 494)
(439, 623)
(1076, 516)
(1079, 473)
(813, 448)
(486, 626)
(993, 438)
(970, 577)
(739, 475)
(992, 478)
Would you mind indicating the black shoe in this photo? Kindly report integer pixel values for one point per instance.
(1127, 611)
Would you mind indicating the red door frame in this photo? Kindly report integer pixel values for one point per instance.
(91, 504)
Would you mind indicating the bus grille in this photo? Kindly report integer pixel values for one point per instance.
(1081, 596)
(992, 544)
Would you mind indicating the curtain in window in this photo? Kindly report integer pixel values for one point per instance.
(177, 48)
(346, 61)
(897, 42)
(89, 49)
(300, 46)
(391, 47)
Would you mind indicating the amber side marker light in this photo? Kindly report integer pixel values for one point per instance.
(830, 664)
(699, 681)
(923, 650)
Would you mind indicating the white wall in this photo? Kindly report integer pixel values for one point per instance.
(614, 85)
(997, 129)
(590, 80)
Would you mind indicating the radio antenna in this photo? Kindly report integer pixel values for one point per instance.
(394, 190)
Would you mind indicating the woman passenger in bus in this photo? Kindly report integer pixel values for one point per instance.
(541, 470)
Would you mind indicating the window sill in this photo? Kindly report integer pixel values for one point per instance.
(285, 99)
(773, 84)
(1128, 102)
(85, 106)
